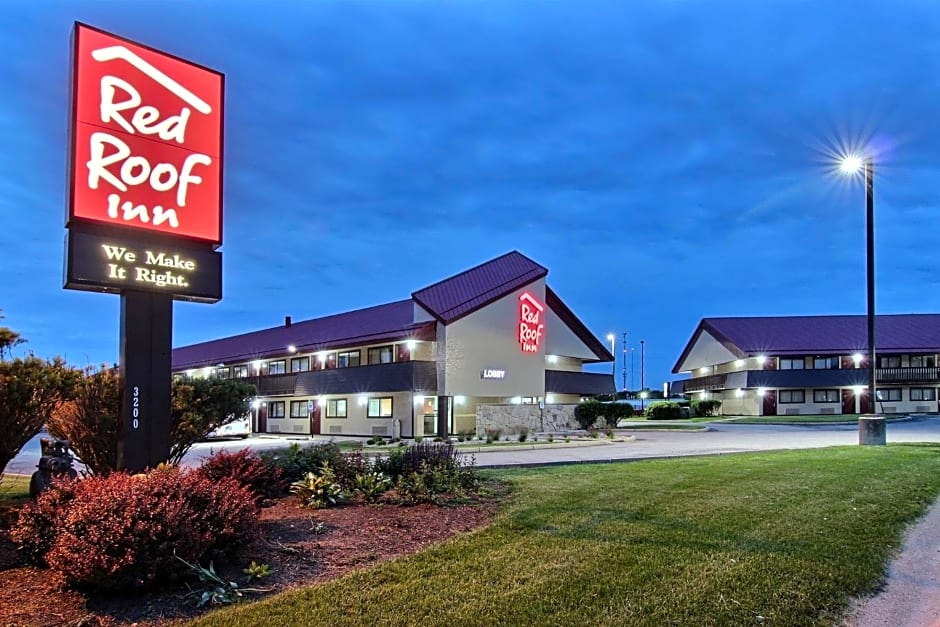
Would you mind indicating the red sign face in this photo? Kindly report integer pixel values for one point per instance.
(146, 139)
(531, 323)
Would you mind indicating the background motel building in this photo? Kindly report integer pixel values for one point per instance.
(416, 366)
(813, 364)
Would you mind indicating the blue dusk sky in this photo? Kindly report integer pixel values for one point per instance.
(667, 160)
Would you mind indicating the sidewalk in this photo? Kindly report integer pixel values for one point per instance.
(911, 596)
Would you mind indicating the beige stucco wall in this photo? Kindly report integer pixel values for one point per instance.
(707, 351)
(355, 423)
(562, 340)
(558, 362)
(487, 339)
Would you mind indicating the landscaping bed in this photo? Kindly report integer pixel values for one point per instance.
(164, 546)
(300, 545)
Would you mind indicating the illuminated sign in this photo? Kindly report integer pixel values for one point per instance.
(531, 326)
(104, 262)
(492, 374)
(146, 139)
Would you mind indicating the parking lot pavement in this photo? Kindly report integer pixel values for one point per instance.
(720, 438)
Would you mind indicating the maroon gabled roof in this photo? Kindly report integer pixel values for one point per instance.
(462, 294)
(820, 335)
(567, 316)
(383, 323)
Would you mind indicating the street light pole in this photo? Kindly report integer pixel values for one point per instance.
(870, 236)
(642, 373)
(871, 427)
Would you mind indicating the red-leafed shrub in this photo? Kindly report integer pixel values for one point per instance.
(264, 480)
(121, 531)
(38, 522)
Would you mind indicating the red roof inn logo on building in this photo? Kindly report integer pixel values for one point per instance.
(146, 139)
(531, 325)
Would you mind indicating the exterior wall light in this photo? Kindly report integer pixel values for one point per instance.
(322, 357)
(739, 363)
(549, 399)
(761, 359)
(419, 400)
(857, 358)
(207, 372)
(460, 400)
(255, 404)
(552, 359)
(739, 393)
(516, 400)
(190, 373)
(321, 402)
(762, 392)
(411, 344)
(363, 400)
(703, 370)
(257, 365)
(292, 348)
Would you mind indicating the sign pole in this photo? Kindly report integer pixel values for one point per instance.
(146, 344)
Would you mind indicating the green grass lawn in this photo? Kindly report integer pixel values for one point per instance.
(14, 488)
(786, 536)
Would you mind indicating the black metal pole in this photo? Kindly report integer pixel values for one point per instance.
(625, 364)
(870, 232)
(643, 374)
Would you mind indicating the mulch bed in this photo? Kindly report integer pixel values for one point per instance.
(301, 546)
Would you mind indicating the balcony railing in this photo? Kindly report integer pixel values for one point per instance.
(711, 382)
(275, 384)
(920, 374)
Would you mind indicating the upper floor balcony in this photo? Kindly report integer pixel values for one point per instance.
(836, 377)
(394, 377)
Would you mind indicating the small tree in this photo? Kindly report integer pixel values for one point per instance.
(199, 406)
(91, 421)
(30, 390)
(8, 339)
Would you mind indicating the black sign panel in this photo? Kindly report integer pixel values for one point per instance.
(106, 263)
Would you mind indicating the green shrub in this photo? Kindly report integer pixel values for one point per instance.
(120, 532)
(523, 433)
(614, 412)
(297, 461)
(317, 491)
(587, 413)
(264, 480)
(427, 471)
(372, 485)
(346, 467)
(664, 410)
(706, 407)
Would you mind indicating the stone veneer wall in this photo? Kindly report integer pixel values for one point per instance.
(510, 417)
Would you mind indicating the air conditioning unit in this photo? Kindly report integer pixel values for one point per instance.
(791, 411)
(379, 430)
(827, 410)
(923, 408)
(890, 409)
(336, 428)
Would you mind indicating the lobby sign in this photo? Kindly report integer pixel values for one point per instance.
(492, 373)
(531, 325)
(146, 148)
(105, 262)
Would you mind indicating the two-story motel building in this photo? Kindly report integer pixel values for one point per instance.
(494, 334)
(809, 365)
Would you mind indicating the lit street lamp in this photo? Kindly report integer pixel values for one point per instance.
(871, 429)
(613, 365)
